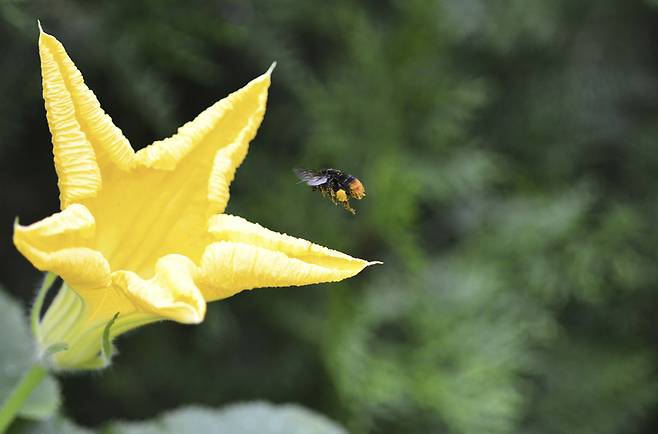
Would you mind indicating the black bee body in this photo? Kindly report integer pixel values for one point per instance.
(334, 184)
(335, 180)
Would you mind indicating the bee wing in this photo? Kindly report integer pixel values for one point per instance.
(310, 177)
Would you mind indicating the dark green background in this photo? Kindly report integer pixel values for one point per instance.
(509, 149)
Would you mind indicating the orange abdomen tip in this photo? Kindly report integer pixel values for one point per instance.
(357, 190)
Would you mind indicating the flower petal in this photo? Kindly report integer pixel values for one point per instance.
(85, 140)
(170, 293)
(228, 268)
(213, 145)
(60, 243)
(226, 227)
(250, 256)
(154, 210)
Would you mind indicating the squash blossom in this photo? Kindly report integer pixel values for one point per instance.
(142, 236)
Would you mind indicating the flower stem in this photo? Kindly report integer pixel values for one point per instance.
(31, 379)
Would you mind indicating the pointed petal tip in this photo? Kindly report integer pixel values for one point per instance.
(188, 315)
(17, 226)
(44, 36)
(42, 32)
(271, 68)
(374, 263)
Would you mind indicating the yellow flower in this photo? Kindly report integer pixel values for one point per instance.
(143, 234)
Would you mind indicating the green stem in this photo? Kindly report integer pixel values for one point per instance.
(28, 383)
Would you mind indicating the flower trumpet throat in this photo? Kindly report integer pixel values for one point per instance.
(143, 234)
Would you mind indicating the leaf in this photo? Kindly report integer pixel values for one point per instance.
(55, 425)
(248, 418)
(16, 357)
(43, 402)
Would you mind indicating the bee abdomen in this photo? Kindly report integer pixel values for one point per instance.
(357, 190)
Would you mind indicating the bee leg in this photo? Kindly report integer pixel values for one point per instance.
(324, 193)
(332, 197)
(346, 205)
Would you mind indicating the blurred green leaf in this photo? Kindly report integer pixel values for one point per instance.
(578, 371)
(44, 401)
(17, 356)
(250, 418)
(54, 425)
(503, 24)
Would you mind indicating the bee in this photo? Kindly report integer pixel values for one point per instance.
(338, 186)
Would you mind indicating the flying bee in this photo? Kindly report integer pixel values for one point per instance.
(338, 186)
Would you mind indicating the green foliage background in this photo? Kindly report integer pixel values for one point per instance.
(509, 149)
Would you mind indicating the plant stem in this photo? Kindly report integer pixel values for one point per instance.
(31, 379)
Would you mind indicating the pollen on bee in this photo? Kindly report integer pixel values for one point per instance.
(357, 190)
(341, 195)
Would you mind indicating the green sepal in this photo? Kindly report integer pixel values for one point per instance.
(54, 348)
(106, 344)
(35, 314)
(107, 350)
